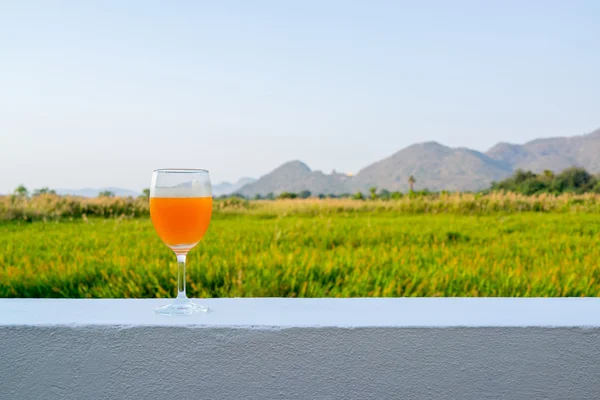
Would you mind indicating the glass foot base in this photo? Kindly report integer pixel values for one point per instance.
(185, 307)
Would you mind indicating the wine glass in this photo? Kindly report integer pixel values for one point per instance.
(180, 209)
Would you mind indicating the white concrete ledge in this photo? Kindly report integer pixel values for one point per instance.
(450, 348)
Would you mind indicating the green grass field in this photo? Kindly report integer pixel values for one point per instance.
(366, 253)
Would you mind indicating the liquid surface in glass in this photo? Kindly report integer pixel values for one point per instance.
(181, 221)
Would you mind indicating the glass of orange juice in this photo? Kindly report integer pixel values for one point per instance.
(180, 208)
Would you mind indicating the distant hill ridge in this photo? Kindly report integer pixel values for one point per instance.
(94, 192)
(437, 167)
(219, 189)
(225, 188)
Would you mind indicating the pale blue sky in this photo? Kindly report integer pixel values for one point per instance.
(99, 93)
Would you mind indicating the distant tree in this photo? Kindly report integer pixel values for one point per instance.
(574, 180)
(258, 197)
(373, 193)
(522, 176)
(106, 193)
(146, 193)
(384, 194)
(548, 174)
(532, 186)
(287, 195)
(44, 190)
(305, 194)
(358, 196)
(525, 182)
(411, 183)
(270, 196)
(321, 196)
(21, 191)
(397, 195)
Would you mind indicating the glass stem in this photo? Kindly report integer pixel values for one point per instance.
(181, 277)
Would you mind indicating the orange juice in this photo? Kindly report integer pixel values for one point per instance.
(181, 221)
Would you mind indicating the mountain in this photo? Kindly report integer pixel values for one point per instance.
(218, 189)
(554, 154)
(433, 165)
(93, 192)
(295, 176)
(437, 167)
(225, 188)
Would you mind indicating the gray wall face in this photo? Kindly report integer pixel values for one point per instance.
(171, 362)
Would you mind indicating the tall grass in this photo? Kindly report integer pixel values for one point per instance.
(435, 245)
(52, 207)
(341, 255)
